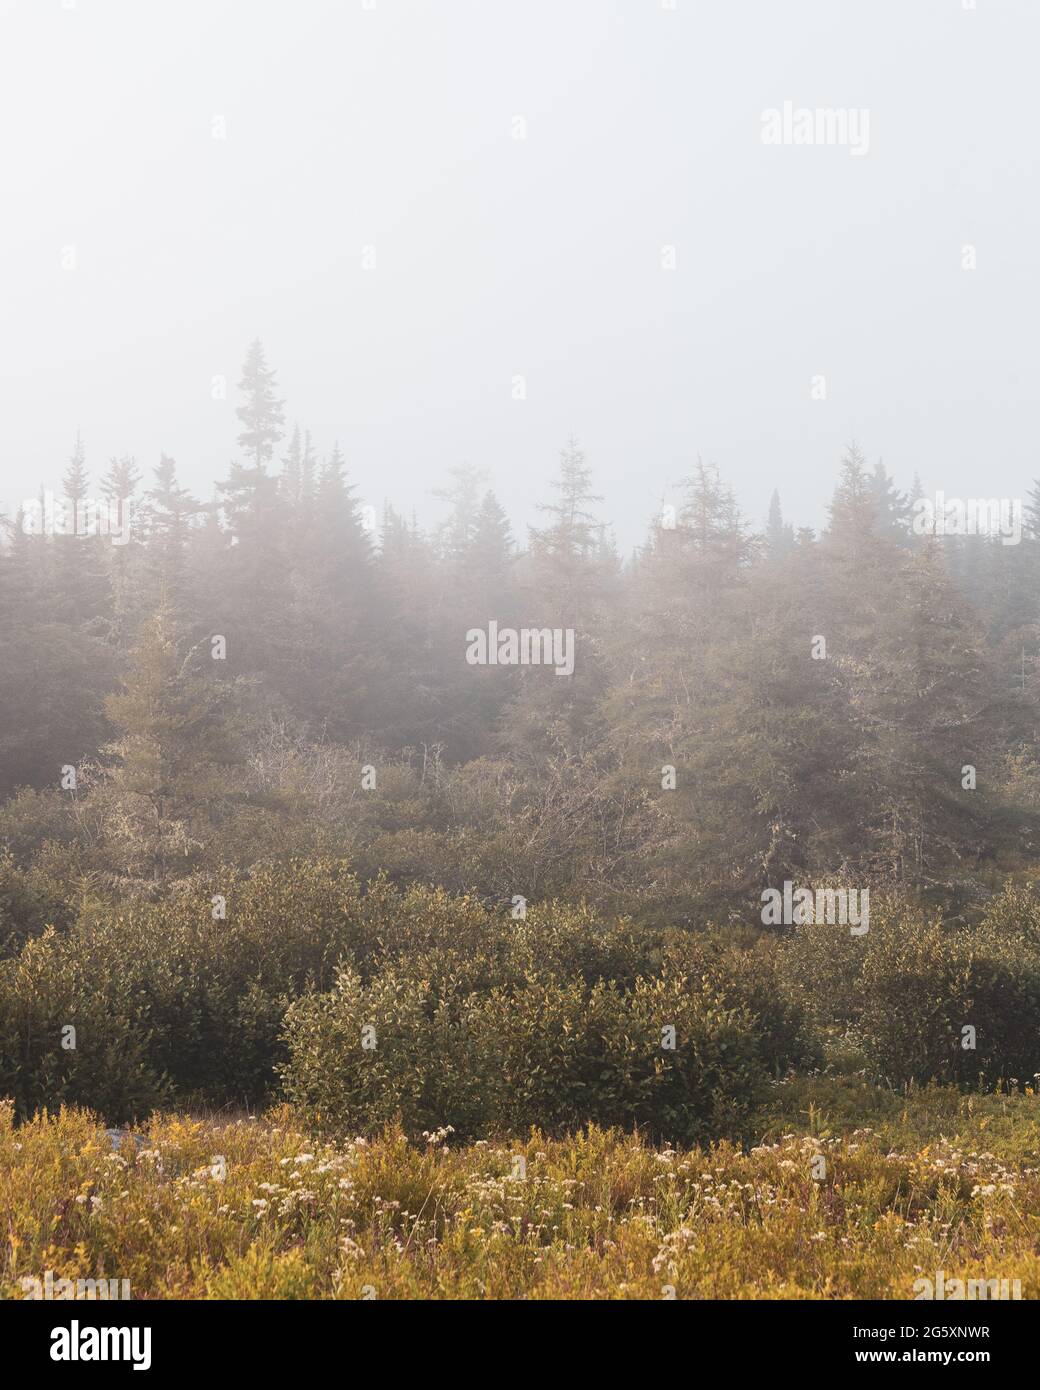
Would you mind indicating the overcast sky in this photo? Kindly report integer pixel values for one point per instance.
(139, 254)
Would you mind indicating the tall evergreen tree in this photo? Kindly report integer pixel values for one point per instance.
(172, 763)
(170, 510)
(81, 584)
(488, 563)
(257, 602)
(455, 535)
(261, 410)
(853, 510)
(337, 620)
(891, 508)
(779, 535)
(928, 705)
(118, 487)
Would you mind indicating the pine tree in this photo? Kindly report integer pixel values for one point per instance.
(173, 761)
(56, 666)
(169, 513)
(488, 564)
(928, 703)
(82, 587)
(292, 468)
(257, 601)
(24, 588)
(261, 410)
(308, 479)
(565, 578)
(862, 563)
(573, 529)
(118, 487)
(853, 509)
(711, 537)
(411, 631)
(455, 534)
(120, 482)
(779, 535)
(251, 493)
(337, 615)
(340, 546)
(891, 507)
(76, 479)
(298, 475)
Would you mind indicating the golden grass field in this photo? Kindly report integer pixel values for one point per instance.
(255, 1208)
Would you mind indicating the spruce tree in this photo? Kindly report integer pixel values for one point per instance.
(82, 588)
(118, 487)
(779, 535)
(1031, 515)
(170, 510)
(891, 507)
(257, 600)
(172, 762)
(261, 410)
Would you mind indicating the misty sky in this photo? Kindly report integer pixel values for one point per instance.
(392, 128)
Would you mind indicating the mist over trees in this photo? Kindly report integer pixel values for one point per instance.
(279, 671)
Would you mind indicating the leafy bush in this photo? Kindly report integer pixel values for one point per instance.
(484, 1022)
(754, 980)
(905, 993)
(56, 982)
(925, 984)
(363, 1056)
(167, 999)
(29, 902)
(555, 1055)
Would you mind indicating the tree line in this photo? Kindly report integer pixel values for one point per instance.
(278, 672)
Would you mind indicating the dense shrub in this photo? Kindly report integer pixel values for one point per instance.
(362, 1056)
(1016, 913)
(753, 979)
(908, 989)
(166, 998)
(551, 1054)
(57, 982)
(29, 902)
(483, 1022)
(925, 985)
(558, 1057)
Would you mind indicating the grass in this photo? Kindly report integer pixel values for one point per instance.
(256, 1208)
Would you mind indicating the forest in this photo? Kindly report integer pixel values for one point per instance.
(440, 837)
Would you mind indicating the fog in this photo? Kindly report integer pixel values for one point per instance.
(344, 180)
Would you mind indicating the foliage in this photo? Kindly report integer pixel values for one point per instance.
(260, 1209)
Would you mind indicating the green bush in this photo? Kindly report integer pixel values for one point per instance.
(484, 1022)
(29, 902)
(363, 1056)
(754, 980)
(186, 1004)
(559, 1056)
(923, 984)
(555, 1055)
(55, 983)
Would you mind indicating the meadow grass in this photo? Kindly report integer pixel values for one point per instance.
(258, 1208)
